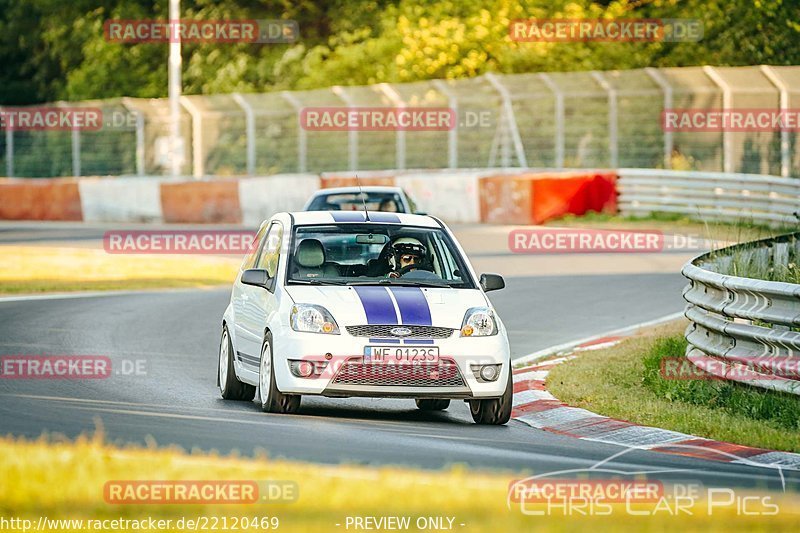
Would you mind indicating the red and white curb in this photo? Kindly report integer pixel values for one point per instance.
(536, 407)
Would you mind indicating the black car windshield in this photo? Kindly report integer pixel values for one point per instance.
(376, 201)
(371, 254)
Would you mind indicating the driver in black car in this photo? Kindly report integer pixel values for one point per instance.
(407, 254)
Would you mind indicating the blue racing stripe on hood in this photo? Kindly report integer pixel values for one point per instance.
(377, 305)
(413, 306)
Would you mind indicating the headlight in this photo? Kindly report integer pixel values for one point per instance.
(479, 322)
(312, 319)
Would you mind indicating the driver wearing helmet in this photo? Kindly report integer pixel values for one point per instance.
(407, 254)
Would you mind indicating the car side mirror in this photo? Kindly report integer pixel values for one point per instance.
(257, 277)
(492, 282)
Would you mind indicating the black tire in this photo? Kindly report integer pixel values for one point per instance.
(274, 401)
(230, 388)
(432, 404)
(493, 411)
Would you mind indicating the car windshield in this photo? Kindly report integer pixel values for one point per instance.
(376, 201)
(373, 254)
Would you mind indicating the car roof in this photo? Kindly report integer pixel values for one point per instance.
(379, 217)
(355, 190)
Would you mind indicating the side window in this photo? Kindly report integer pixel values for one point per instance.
(271, 251)
(258, 240)
(447, 264)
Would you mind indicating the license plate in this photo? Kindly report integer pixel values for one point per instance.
(398, 354)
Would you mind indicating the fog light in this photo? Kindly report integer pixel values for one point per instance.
(302, 369)
(486, 373)
(489, 372)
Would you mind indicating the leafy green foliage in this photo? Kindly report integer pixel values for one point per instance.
(52, 49)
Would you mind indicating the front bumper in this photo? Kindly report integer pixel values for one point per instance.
(346, 374)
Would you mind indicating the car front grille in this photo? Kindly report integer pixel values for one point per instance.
(444, 374)
(385, 331)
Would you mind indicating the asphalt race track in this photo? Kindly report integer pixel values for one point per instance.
(174, 337)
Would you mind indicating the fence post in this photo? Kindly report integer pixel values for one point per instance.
(613, 146)
(9, 149)
(250, 131)
(198, 170)
(727, 104)
(400, 140)
(662, 82)
(452, 134)
(302, 140)
(352, 133)
(140, 144)
(779, 84)
(509, 121)
(559, 118)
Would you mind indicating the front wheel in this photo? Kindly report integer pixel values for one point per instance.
(493, 411)
(273, 400)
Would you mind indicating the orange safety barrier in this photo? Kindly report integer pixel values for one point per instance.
(538, 197)
(40, 199)
(201, 201)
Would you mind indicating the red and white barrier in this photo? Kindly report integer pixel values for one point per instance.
(462, 196)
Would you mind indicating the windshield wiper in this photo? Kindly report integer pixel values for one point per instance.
(314, 281)
(404, 282)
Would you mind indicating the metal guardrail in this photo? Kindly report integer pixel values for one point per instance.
(710, 195)
(742, 329)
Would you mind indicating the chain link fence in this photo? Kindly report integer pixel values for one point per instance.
(543, 120)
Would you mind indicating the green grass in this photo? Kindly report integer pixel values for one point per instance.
(625, 382)
(716, 231)
(36, 269)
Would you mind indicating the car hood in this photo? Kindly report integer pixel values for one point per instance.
(368, 304)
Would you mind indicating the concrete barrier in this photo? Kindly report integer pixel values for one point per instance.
(460, 196)
(260, 198)
(451, 196)
(201, 201)
(40, 199)
(535, 198)
(121, 199)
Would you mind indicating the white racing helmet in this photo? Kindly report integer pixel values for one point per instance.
(406, 246)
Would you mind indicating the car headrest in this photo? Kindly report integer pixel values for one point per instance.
(310, 253)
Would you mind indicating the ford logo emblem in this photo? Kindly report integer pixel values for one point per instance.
(400, 332)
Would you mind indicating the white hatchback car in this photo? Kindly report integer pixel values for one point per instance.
(358, 303)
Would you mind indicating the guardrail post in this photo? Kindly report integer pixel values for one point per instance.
(784, 106)
(727, 104)
(198, 168)
(302, 139)
(662, 82)
(250, 131)
(400, 139)
(452, 135)
(352, 134)
(559, 118)
(613, 141)
(509, 121)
